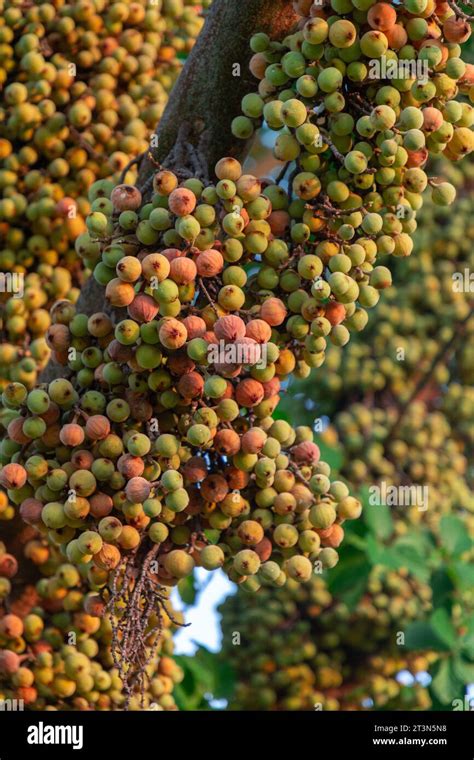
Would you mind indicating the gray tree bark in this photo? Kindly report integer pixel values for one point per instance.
(216, 77)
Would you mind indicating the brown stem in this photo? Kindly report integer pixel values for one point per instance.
(455, 7)
(336, 153)
(208, 296)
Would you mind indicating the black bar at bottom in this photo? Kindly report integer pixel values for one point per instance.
(116, 735)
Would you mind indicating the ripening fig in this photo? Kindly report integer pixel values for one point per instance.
(249, 393)
(30, 511)
(129, 537)
(309, 541)
(227, 442)
(164, 182)
(253, 441)
(182, 201)
(322, 516)
(8, 565)
(53, 515)
(155, 267)
(13, 476)
(172, 334)
(83, 483)
(89, 542)
(137, 489)
(342, 33)
(285, 536)
(229, 328)
(179, 563)
(306, 452)
(228, 168)
(128, 269)
(382, 16)
(456, 29)
(177, 500)
(9, 662)
(158, 532)
(443, 194)
(198, 435)
(11, 626)
(108, 557)
(211, 557)
(315, 30)
(126, 198)
(94, 605)
(269, 571)
(250, 532)
(209, 263)
(38, 401)
(349, 508)
(246, 562)
(299, 568)
(329, 557)
(72, 434)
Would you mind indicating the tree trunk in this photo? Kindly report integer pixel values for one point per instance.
(215, 77)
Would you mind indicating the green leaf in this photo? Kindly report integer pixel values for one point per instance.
(442, 587)
(467, 641)
(453, 535)
(378, 518)
(186, 694)
(212, 536)
(409, 557)
(420, 635)
(187, 589)
(396, 557)
(445, 684)
(348, 580)
(206, 676)
(358, 542)
(203, 676)
(377, 554)
(442, 626)
(282, 414)
(222, 677)
(416, 542)
(333, 455)
(463, 575)
(464, 670)
(189, 701)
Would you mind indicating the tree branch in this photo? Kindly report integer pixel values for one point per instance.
(442, 355)
(215, 77)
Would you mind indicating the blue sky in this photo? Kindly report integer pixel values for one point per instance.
(203, 616)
